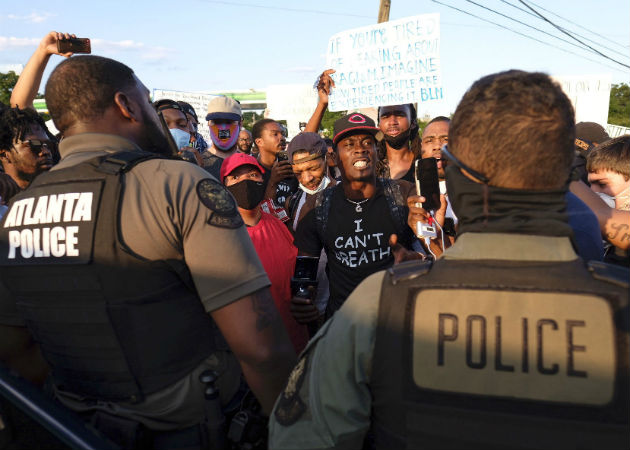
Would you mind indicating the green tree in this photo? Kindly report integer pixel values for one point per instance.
(249, 118)
(619, 107)
(328, 122)
(7, 82)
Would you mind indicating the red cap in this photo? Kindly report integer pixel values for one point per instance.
(237, 160)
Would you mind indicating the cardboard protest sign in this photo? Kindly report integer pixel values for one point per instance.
(589, 94)
(294, 103)
(386, 64)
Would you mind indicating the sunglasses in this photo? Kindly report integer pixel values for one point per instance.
(36, 145)
(476, 175)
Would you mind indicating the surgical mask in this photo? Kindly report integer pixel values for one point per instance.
(442, 184)
(248, 193)
(181, 137)
(610, 201)
(224, 135)
(324, 183)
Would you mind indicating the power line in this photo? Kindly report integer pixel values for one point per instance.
(528, 37)
(585, 29)
(583, 37)
(278, 8)
(525, 24)
(571, 36)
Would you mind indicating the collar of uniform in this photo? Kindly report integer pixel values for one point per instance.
(515, 247)
(94, 142)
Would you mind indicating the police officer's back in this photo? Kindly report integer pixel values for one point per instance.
(509, 340)
(125, 264)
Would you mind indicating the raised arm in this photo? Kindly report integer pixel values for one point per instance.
(324, 87)
(26, 88)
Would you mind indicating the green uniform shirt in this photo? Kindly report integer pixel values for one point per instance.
(327, 401)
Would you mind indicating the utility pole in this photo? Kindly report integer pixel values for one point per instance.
(383, 11)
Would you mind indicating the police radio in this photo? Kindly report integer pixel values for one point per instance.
(427, 185)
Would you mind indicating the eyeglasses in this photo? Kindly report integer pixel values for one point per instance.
(36, 145)
(476, 175)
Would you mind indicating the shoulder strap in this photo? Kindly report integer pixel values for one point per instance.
(293, 201)
(397, 204)
(124, 161)
(609, 273)
(322, 208)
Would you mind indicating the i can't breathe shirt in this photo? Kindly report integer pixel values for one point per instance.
(356, 242)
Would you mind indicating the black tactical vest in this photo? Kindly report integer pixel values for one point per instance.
(112, 325)
(502, 354)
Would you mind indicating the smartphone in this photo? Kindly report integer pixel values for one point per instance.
(282, 156)
(428, 183)
(306, 268)
(74, 45)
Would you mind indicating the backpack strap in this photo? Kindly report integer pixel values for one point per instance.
(322, 209)
(397, 204)
(121, 162)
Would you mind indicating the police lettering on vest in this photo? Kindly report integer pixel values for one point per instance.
(56, 227)
(547, 346)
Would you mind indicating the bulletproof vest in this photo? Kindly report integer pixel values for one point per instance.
(502, 354)
(111, 324)
(397, 206)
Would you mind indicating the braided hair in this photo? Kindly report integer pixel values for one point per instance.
(415, 143)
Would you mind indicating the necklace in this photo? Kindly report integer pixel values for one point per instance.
(358, 204)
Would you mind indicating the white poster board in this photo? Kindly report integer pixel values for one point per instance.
(388, 63)
(197, 100)
(590, 95)
(294, 103)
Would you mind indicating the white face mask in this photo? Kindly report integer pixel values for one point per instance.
(181, 137)
(325, 182)
(610, 201)
(442, 184)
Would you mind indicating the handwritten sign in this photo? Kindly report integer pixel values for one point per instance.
(197, 100)
(294, 103)
(386, 64)
(590, 95)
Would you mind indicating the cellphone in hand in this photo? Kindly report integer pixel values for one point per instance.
(282, 156)
(304, 276)
(428, 183)
(74, 45)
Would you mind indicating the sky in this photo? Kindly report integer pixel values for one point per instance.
(224, 46)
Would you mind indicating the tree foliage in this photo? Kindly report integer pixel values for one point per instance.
(619, 108)
(7, 82)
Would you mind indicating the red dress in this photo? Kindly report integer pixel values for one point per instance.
(274, 246)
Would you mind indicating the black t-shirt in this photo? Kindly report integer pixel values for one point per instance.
(285, 189)
(356, 243)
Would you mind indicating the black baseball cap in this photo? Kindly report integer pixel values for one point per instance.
(353, 123)
(307, 142)
(188, 109)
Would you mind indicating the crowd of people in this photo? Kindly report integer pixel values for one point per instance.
(139, 261)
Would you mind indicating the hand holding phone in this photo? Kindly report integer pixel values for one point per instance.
(427, 186)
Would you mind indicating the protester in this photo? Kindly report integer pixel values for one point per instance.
(138, 296)
(354, 220)
(433, 357)
(608, 167)
(224, 120)
(308, 155)
(196, 140)
(588, 135)
(179, 127)
(243, 177)
(245, 141)
(271, 141)
(25, 150)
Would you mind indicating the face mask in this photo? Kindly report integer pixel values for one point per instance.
(224, 135)
(610, 201)
(398, 141)
(181, 137)
(248, 193)
(442, 184)
(324, 183)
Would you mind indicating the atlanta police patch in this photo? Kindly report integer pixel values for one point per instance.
(217, 199)
(290, 406)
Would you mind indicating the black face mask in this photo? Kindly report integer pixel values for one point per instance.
(248, 193)
(400, 140)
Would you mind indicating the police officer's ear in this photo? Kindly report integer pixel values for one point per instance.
(127, 107)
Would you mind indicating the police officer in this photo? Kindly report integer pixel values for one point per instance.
(131, 269)
(510, 340)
